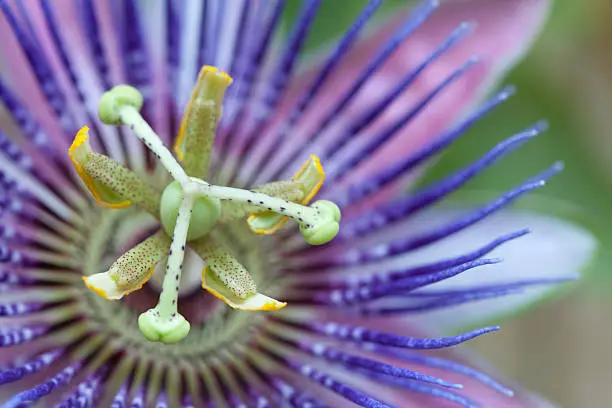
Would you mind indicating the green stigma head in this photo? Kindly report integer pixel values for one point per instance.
(154, 328)
(113, 100)
(327, 225)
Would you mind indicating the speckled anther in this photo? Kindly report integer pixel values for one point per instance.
(228, 279)
(80, 153)
(308, 179)
(194, 142)
(226, 268)
(123, 182)
(132, 270)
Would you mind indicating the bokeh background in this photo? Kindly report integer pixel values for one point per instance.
(560, 349)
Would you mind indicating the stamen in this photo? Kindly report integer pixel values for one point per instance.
(123, 182)
(318, 223)
(132, 270)
(209, 90)
(228, 280)
(226, 268)
(289, 189)
(196, 138)
(256, 301)
(79, 153)
(312, 176)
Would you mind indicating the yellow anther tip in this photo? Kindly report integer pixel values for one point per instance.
(271, 306)
(106, 286)
(226, 77)
(316, 162)
(268, 223)
(254, 302)
(80, 138)
(253, 220)
(97, 290)
(215, 70)
(78, 151)
(210, 86)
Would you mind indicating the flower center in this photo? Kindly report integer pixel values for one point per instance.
(116, 230)
(190, 211)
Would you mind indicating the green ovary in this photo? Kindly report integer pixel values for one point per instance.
(206, 212)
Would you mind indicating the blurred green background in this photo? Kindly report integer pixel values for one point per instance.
(564, 79)
(567, 79)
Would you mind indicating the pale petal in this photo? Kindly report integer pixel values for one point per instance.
(555, 249)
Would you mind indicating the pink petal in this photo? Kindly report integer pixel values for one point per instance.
(504, 30)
